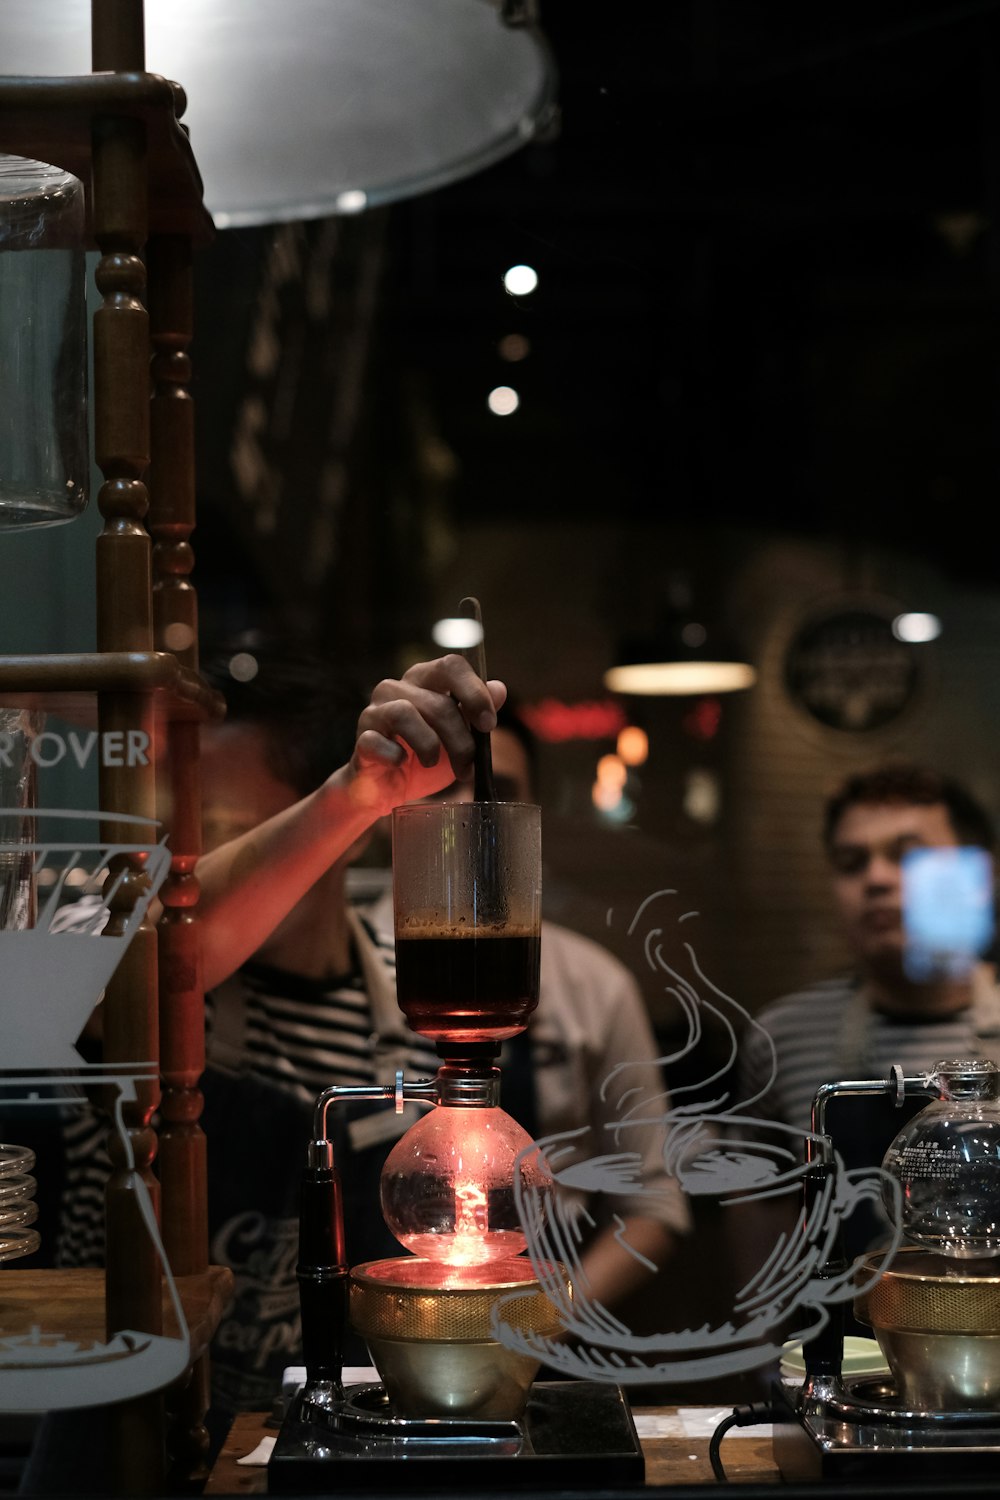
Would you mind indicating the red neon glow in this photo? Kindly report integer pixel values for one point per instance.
(702, 719)
(554, 722)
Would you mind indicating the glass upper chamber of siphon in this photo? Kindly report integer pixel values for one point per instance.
(467, 902)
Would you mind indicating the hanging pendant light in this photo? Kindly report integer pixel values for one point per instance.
(684, 658)
(313, 108)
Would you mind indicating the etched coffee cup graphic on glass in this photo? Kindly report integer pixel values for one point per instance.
(658, 1149)
(467, 898)
(787, 1296)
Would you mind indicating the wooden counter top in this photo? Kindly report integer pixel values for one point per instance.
(71, 1303)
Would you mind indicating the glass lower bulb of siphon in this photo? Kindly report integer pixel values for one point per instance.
(448, 1185)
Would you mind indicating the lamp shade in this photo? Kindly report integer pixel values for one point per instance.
(319, 107)
(685, 658)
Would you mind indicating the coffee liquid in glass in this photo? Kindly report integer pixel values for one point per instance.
(466, 987)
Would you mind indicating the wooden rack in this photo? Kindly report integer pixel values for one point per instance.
(118, 130)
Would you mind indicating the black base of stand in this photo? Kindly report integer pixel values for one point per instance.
(573, 1434)
(866, 1443)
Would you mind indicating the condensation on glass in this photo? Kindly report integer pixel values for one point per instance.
(44, 462)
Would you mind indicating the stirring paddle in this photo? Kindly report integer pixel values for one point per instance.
(491, 906)
(484, 787)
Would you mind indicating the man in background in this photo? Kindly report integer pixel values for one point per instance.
(899, 1004)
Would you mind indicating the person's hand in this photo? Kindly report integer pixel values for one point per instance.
(414, 738)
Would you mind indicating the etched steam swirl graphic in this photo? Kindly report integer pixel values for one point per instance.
(717, 1150)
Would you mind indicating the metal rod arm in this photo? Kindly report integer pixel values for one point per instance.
(895, 1086)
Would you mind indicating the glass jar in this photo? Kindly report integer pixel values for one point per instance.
(947, 1162)
(44, 460)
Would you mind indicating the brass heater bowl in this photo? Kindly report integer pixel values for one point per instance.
(938, 1324)
(428, 1327)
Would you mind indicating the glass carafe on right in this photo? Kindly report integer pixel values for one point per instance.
(947, 1161)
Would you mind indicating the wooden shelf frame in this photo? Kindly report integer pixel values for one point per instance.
(118, 130)
(52, 119)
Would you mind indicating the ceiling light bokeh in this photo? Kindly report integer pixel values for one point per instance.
(456, 633)
(503, 400)
(520, 281)
(916, 627)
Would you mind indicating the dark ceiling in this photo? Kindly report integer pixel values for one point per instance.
(767, 272)
(766, 240)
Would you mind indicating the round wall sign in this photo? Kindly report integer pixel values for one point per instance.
(850, 672)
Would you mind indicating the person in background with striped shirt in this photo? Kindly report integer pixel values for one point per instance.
(892, 1007)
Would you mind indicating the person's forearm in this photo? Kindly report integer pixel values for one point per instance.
(412, 740)
(612, 1271)
(250, 884)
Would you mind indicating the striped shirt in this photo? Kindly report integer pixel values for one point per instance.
(828, 1032)
(303, 1035)
(87, 1166)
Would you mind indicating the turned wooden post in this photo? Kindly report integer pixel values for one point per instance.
(171, 521)
(182, 1161)
(124, 615)
(124, 623)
